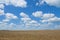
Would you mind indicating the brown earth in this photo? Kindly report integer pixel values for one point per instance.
(30, 35)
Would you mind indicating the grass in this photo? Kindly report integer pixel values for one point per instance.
(30, 35)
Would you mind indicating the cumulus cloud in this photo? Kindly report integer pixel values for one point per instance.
(22, 14)
(11, 25)
(6, 26)
(25, 19)
(47, 16)
(41, 2)
(55, 19)
(53, 2)
(6, 20)
(1, 12)
(28, 22)
(7, 16)
(52, 20)
(31, 23)
(1, 6)
(50, 2)
(37, 4)
(17, 3)
(3, 24)
(37, 14)
(40, 14)
(48, 21)
(34, 23)
(52, 23)
(10, 16)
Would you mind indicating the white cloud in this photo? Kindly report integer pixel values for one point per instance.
(3, 25)
(6, 20)
(0, 22)
(55, 19)
(37, 4)
(6, 26)
(42, 2)
(27, 21)
(2, 1)
(48, 15)
(37, 14)
(1, 6)
(17, 3)
(32, 23)
(10, 16)
(11, 25)
(50, 24)
(44, 16)
(51, 2)
(23, 14)
(1, 12)
(57, 27)
(48, 21)
(51, 20)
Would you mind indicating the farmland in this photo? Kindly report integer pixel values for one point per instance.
(30, 35)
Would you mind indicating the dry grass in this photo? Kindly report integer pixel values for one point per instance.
(30, 35)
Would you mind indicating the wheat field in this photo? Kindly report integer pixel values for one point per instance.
(30, 35)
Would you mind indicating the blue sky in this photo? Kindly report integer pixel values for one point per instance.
(29, 14)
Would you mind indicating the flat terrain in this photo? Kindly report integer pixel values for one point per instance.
(30, 35)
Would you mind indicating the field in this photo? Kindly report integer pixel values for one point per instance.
(30, 35)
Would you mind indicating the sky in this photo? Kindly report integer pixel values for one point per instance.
(29, 14)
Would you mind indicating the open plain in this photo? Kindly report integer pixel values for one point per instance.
(30, 35)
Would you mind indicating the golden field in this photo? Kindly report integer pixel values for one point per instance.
(30, 35)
